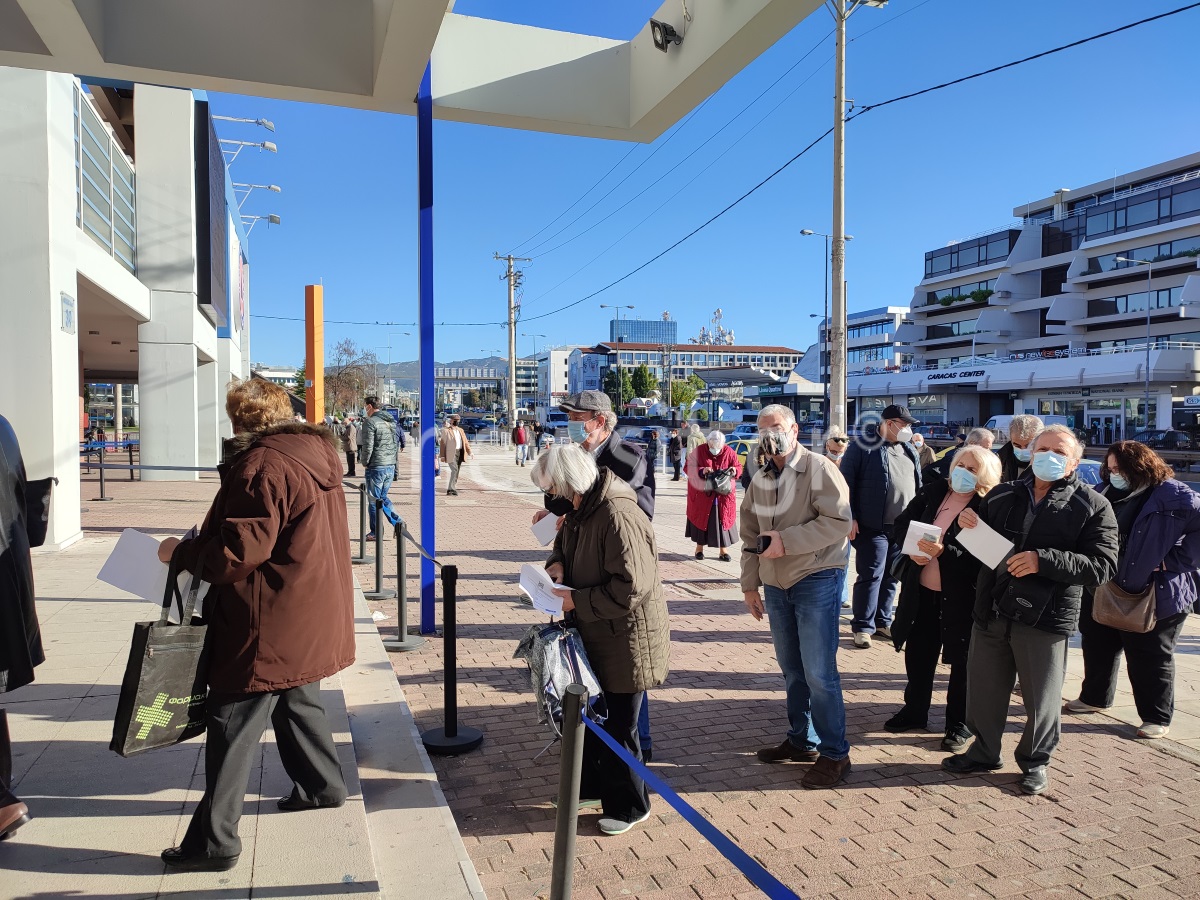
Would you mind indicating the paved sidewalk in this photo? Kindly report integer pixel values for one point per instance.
(1122, 817)
(100, 821)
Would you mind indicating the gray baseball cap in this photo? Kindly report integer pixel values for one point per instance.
(587, 401)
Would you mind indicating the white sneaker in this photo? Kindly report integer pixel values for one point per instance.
(1080, 708)
(620, 826)
(1150, 732)
(862, 640)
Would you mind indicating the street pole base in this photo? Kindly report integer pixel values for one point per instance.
(408, 642)
(437, 743)
(385, 594)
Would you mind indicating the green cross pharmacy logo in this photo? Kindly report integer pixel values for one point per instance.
(152, 715)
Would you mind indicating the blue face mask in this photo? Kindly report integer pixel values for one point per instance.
(963, 481)
(1049, 466)
(1022, 453)
(578, 431)
(1119, 481)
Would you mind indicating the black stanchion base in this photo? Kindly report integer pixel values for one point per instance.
(438, 744)
(385, 594)
(102, 499)
(361, 560)
(409, 642)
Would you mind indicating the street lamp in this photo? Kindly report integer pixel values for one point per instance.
(271, 219)
(535, 359)
(842, 10)
(248, 188)
(1149, 275)
(269, 146)
(265, 123)
(620, 380)
(825, 367)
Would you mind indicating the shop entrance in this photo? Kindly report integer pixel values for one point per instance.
(1104, 428)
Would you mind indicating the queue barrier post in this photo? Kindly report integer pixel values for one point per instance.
(404, 641)
(103, 495)
(380, 592)
(451, 739)
(362, 525)
(570, 770)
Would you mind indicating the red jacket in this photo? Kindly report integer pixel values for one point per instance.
(699, 501)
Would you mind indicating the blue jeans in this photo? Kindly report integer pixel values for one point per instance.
(379, 481)
(804, 628)
(875, 588)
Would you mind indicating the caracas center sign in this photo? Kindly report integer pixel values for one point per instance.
(943, 376)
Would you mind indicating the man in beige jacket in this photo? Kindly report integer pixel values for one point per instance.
(794, 526)
(454, 449)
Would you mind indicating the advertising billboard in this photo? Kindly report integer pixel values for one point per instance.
(212, 220)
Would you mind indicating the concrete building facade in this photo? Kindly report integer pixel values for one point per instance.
(1081, 308)
(109, 276)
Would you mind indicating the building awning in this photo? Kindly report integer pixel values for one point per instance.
(736, 376)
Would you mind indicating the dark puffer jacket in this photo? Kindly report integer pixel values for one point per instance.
(1074, 532)
(608, 554)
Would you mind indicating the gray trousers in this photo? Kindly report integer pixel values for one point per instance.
(999, 653)
(454, 462)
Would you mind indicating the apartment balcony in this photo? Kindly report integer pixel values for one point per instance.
(105, 187)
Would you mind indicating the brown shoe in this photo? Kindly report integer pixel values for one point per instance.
(13, 814)
(826, 772)
(787, 752)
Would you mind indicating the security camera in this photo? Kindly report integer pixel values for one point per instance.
(664, 34)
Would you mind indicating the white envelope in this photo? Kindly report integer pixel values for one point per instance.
(985, 544)
(545, 529)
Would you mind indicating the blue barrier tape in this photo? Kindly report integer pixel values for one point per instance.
(163, 468)
(745, 863)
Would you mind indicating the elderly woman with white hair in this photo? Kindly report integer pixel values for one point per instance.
(713, 469)
(605, 551)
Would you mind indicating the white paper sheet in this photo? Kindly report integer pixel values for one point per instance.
(134, 566)
(537, 585)
(985, 544)
(919, 531)
(545, 528)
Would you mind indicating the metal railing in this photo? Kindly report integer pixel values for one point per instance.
(105, 186)
(1118, 195)
(1033, 356)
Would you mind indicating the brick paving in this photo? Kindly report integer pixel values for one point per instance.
(1121, 819)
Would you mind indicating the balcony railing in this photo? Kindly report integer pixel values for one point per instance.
(1034, 355)
(104, 186)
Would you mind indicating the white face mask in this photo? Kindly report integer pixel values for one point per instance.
(904, 435)
(714, 447)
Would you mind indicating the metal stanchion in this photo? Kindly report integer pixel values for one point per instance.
(405, 641)
(129, 447)
(380, 592)
(362, 525)
(102, 496)
(570, 768)
(451, 739)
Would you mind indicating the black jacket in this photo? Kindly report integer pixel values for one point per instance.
(959, 571)
(627, 462)
(675, 448)
(1074, 532)
(1011, 468)
(24, 514)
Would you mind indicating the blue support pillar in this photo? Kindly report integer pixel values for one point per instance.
(429, 447)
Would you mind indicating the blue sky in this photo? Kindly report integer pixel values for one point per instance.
(919, 174)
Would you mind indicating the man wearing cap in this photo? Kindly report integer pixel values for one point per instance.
(883, 472)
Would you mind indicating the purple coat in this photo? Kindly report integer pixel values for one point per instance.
(1167, 531)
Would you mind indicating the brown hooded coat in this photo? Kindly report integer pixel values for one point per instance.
(274, 547)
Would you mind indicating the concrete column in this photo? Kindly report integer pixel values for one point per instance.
(118, 413)
(210, 411)
(39, 349)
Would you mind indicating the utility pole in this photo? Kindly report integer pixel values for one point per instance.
(513, 277)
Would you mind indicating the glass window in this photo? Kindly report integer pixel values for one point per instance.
(940, 263)
(1100, 223)
(1141, 213)
(968, 256)
(997, 249)
(1185, 202)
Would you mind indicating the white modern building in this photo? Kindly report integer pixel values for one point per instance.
(587, 366)
(284, 376)
(552, 382)
(121, 265)
(1083, 307)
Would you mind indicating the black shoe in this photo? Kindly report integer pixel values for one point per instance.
(957, 738)
(699, 554)
(961, 764)
(904, 721)
(787, 752)
(1035, 781)
(725, 557)
(647, 755)
(293, 803)
(182, 862)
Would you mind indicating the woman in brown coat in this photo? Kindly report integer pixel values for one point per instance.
(605, 551)
(280, 615)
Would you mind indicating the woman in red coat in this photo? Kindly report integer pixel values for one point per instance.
(712, 516)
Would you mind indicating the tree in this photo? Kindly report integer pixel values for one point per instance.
(299, 389)
(625, 382)
(349, 376)
(684, 391)
(702, 414)
(471, 398)
(644, 382)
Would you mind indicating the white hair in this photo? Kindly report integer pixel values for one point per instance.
(565, 470)
(695, 429)
(610, 420)
(980, 437)
(718, 436)
(778, 409)
(1023, 428)
(1077, 448)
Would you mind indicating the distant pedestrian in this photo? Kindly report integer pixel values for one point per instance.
(453, 449)
(835, 445)
(378, 447)
(1158, 522)
(535, 440)
(928, 458)
(675, 452)
(711, 515)
(695, 438)
(24, 508)
(520, 439)
(349, 436)
(1015, 455)
(976, 437)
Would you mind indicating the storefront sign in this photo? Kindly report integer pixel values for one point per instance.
(68, 313)
(927, 401)
(1193, 400)
(770, 390)
(942, 376)
(1079, 394)
(1046, 354)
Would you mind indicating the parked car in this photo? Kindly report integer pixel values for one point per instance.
(745, 430)
(644, 437)
(743, 447)
(474, 426)
(936, 432)
(1089, 471)
(1165, 440)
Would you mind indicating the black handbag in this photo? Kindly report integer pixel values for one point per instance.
(720, 482)
(165, 686)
